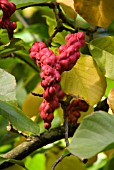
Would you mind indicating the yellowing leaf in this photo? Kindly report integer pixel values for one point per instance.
(85, 80)
(98, 13)
(69, 162)
(68, 8)
(32, 103)
(110, 99)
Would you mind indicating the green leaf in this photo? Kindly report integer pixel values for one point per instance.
(102, 50)
(15, 45)
(24, 56)
(95, 134)
(24, 3)
(18, 162)
(7, 86)
(17, 118)
(85, 80)
(109, 165)
(110, 85)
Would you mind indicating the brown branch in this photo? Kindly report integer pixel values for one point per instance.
(50, 5)
(27, 147)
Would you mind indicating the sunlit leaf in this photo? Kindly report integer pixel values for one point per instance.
(18, 118)
(102, 50)
(7, 86)
(85, 80)
(36, 162)
(32, 103)
(68, 7)
(98, 13)
(70, 162)
(110, 99)
(110, 85)
(94, 135)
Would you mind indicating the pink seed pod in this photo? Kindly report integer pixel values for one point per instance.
(46, 95)
(60, 94)
(57, 76)
(47, 108)
(63, 56)
(68, 36)
(43, 105)
(41, 45)
(43, 115)
(54, 103)
(51, 68)
(50, 117)
(52, 90)
(62, 48)
(80, 35)
(47, 125)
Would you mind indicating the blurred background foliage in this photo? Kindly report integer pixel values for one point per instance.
(38, 23)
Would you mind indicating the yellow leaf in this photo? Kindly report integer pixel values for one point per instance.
(98, 13)
(110, 99)
(85, 80)
(32, 103)
(69, 162)
(68, 8)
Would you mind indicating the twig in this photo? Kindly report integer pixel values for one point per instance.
(64, 105)
(50, 5)
(11, 129)
(39, 95)
(66, 128)
(57, 161)
(27, 147)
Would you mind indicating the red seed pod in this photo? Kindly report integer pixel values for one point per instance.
(51, 68)
(83, 106)
(62, 48)
(47, 125)
(73, 117)
(54, 102)
(8, 9)
(50, 117)
(43, 115)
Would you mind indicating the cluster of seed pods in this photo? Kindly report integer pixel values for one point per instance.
(52, 67)
(8, 9)
(74, 108)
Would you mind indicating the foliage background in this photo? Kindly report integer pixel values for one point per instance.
(38, 23)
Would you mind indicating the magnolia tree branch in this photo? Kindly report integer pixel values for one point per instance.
(36, 142)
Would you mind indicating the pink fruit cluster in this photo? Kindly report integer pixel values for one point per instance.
(8, 9)
(51, 68)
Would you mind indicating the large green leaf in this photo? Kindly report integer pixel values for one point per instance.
(7, 86)
(15, 45)
(85, 80)
(102, 50)
(17, 118)
(95, 134)
(24, 3)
